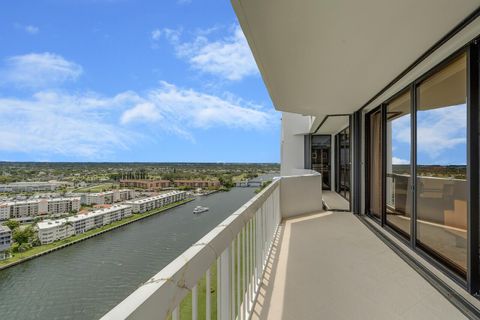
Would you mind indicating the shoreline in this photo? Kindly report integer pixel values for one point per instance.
(82, 237)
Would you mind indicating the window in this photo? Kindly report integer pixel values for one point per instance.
(441, 164)
(374, 122)
(398, 198)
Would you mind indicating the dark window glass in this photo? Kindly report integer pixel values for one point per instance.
(375, 163)
(321, 146)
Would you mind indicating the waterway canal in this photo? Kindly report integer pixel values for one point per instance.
(87, 279)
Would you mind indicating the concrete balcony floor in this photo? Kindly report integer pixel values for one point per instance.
(330, 266)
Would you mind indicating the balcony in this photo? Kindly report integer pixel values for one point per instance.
(280, 256)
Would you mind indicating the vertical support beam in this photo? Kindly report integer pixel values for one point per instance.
(357, 162)
(413, 165)
(473, 163)
(383, 212)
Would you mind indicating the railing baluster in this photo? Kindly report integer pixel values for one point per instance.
(208, 296)
(238, 276)
(219, 291)
(248, 266)
(232, 282)
(225, 284)
(175, 314)
(195, 302)
(244, 275)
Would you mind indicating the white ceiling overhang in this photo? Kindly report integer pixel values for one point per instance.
(332, 56)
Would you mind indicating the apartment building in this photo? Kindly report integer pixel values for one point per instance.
(107, 197)
(31, 186)
(147, 204)
(53, 230)
(5, 241)
(59, 205)
(197, 183)
(34, 207)
(146, 184)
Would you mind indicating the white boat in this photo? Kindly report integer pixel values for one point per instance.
(200, 209)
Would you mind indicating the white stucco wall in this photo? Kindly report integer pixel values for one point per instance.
(294, 128)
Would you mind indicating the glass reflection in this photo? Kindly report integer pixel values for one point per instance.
(441, 165)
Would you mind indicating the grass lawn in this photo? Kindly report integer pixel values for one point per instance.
(39, 249)
(96, 188)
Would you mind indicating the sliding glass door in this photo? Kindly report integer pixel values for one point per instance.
(342, 140)
(374, 160)
(431, 210)
(321, 153)
(398, 182)
(441, 164)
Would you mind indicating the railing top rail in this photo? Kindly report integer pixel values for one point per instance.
(167, 288)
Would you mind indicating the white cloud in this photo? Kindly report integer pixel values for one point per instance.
(58, 123)
(31, 29)
(156, 34)
(145, 111)
(229, 57)
(38, 70)
(178, 109)
(396, 160)
(93, 127)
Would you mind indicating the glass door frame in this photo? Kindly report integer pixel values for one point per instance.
(471, 281)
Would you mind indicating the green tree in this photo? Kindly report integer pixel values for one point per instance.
(12, 224)
(25, 235)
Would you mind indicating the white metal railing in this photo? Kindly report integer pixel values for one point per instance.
(221, 272)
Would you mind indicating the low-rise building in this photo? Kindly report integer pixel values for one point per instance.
(59, 205)
(150, 203)
(197, 183)
(146, 184)
(5, 241)
(107, 197)
(35, 207)
(31, 186)
(53, 230)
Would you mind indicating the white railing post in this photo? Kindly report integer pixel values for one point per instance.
(238, 275)
(195, 302)
(232, 280)
(175, 314)
(208, 296)
(244, 274)
(219, 287)
(225, 285)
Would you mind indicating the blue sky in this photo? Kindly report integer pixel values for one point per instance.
(125, 80)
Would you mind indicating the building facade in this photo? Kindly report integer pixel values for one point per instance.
(30, 186)
(53, 230)
(197, 183)
(35, 207)
(5, 241)
(147, 204)
(107, 197)
(146, 184)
